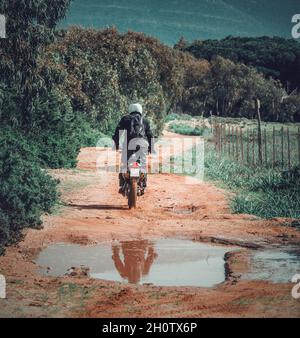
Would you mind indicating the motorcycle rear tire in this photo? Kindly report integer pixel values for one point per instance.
(132, 197)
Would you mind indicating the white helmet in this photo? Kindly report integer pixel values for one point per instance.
(136, 107)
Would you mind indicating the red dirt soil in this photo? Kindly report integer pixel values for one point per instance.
(94, 212)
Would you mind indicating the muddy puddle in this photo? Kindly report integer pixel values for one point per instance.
(166, 262)
(278, 266)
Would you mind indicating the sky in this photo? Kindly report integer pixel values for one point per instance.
(169, 20)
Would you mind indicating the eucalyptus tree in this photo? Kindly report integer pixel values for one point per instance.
(30, 26)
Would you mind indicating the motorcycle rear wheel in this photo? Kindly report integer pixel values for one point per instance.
(132, 197)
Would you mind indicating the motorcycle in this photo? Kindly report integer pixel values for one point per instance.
(134, 183)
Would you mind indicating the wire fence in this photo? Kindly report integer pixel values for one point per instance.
(260, 146)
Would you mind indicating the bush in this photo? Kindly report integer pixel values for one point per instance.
(57, 131)
(188, 130)
(102, 72)
(182, 117)
(26, 191)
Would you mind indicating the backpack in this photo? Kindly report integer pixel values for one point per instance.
(137, 128)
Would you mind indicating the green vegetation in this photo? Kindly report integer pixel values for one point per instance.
(187, 130)
(182, 117)
(263, 192)
(26, 191)
(102, 72)
(273, 56)
(64, 89)
(276, 58)
(224, 88)
(258, 190)
(27, 138)
(279, 149)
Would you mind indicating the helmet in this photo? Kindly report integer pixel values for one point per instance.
(135, 108)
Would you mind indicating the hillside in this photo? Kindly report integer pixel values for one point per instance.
(193, 19)
(275, 57)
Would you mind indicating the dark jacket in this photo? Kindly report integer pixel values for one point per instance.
(125, 124)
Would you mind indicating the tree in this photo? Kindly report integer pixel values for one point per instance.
(275, 57)
(103, 71)
(228, 90)
(30, 25)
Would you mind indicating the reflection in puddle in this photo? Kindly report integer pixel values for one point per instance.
(164, 262)
(138, 259)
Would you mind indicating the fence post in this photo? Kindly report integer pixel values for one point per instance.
(232, 142)
(242, 145)
(229, 142)
(274, 147)
(299, 145)
(248, 159)
(225, 139)
(214, 134)
(289, 147)
(282, 147)
(235, 143)
(253, 147)
(221, 138)
(236, 140)
(259, 138)
(216, 137)
(266, 147)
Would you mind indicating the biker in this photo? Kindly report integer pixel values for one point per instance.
(138, 257)
(137, 142)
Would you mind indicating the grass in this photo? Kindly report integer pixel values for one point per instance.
(180, 117)
(264, 192)
(188, 130)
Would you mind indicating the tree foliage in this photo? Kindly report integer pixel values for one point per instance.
(60, 90)
(30, 25)
(275, 57)
(222, 87)
(103, 71)
(25, 190)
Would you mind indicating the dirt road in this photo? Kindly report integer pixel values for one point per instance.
(93, 212)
